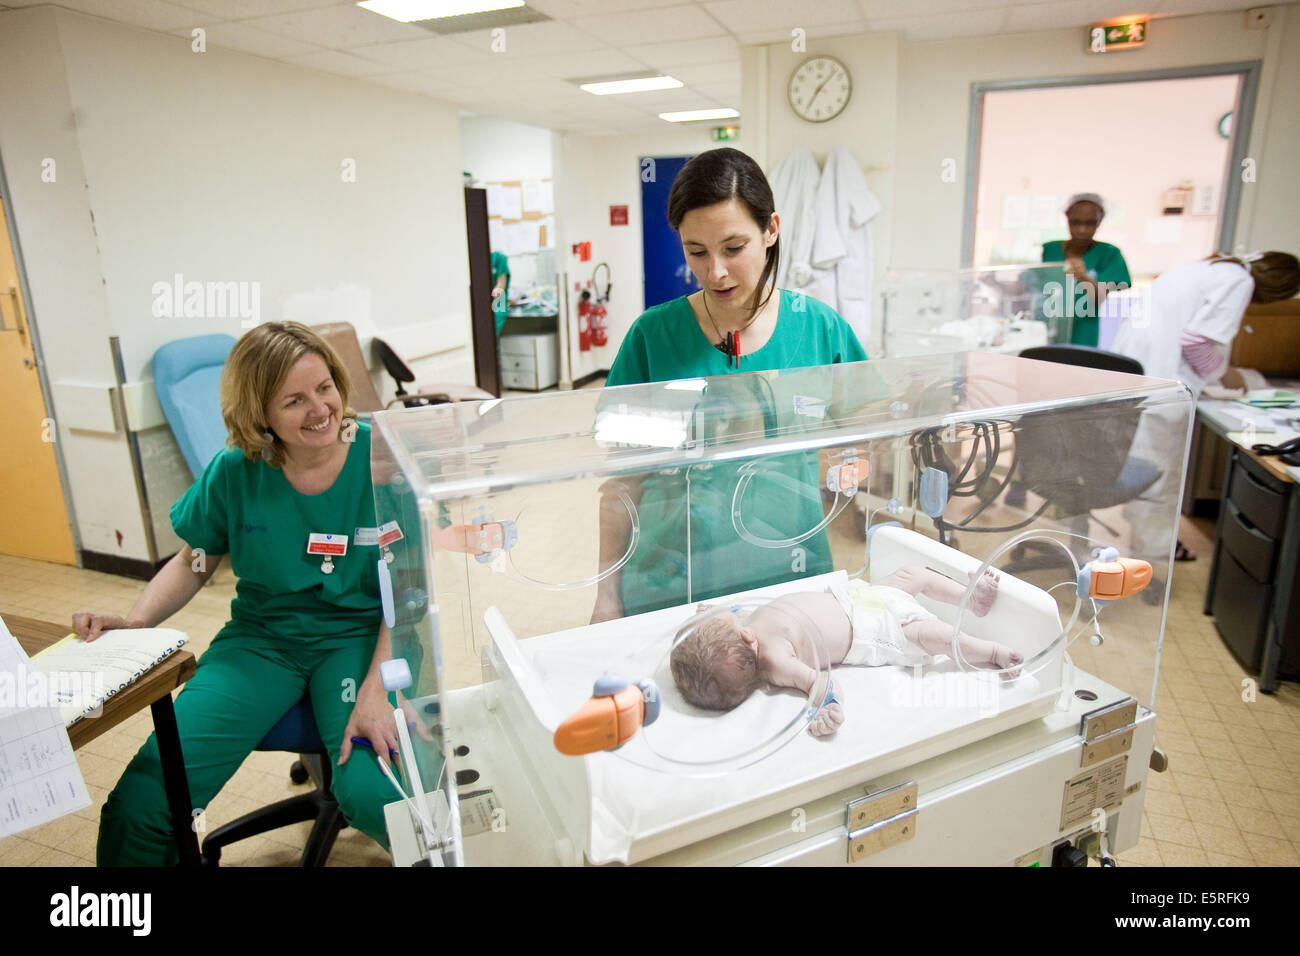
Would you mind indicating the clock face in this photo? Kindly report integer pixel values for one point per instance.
(819, 89)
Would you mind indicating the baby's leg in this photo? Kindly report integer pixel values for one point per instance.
(919, 580)
(935, 637)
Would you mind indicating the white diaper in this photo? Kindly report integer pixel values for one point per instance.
(878, 615)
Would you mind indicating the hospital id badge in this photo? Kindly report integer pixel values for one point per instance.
(389, 533)
(329, 545)
(365, 537)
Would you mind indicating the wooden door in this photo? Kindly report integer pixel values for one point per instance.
(33, 513)
(487, 364)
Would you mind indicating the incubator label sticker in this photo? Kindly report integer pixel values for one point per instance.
(365, 537)
(388, 533)
(479, 810)
(810, 406)
(331, 544)
(1101, 786)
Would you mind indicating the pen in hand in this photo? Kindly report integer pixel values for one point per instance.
(366, 743)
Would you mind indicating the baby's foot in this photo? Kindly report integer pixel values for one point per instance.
(985, 593)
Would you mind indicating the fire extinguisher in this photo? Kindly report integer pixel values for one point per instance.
(599, 317)
(584, 322)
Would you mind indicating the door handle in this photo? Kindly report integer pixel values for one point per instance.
(18, 318)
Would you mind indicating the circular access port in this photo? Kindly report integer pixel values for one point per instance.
(465, 776)
(462, 751)
(431, 707)
(1085, 694)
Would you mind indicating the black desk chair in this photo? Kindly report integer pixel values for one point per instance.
(1044, 445)
(295, 732)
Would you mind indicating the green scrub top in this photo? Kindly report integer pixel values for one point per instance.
(699, 540)
(247, 509)
(501, 304)
(1105, 263)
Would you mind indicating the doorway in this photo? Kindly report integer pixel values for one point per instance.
(1162, 149)
(33, 511)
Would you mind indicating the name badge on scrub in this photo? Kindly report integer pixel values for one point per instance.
(328, 545)
(389, 532)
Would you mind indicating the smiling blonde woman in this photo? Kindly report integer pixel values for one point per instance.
(301, 624)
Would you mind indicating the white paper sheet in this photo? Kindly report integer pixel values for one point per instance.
(532, 196)
(39, 777)
(494, 199)
(512, 202)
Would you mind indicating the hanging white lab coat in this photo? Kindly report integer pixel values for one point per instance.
(794, 186)
(842, 254)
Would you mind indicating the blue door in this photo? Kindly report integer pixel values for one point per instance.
(666, 275)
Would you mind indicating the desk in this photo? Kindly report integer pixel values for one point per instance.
(153, 689)
(1255, 573)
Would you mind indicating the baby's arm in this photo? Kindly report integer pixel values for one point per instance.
(918, 580)
(789, 671)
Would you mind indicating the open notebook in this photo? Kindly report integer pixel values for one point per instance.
(81, 676)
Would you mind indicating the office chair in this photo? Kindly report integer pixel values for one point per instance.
(296, 732)
(187, 374)
(343, 338)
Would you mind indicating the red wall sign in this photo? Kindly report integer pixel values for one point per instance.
(618, 215)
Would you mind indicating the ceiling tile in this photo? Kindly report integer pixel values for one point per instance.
(339, 28)
(651, 26)
(894, 9)
(1064, 14)
(245, 39)
(568, 9)
(945, 27)
(706, 73)
(150, 14)
(243, 9)
(706, 50)
(332, 61)
(594, 63)
(1168, 8)
(421, 54)
(756, 15)
(531, 40)
(415, 82)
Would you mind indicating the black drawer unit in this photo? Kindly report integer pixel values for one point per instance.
(1254, 586)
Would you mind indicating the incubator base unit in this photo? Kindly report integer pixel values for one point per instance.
(906, 612)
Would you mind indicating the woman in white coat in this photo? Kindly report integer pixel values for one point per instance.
(1182, 329)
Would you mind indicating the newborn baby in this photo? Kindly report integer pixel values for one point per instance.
(729, 656)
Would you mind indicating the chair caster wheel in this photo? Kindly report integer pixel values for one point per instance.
(298, 772)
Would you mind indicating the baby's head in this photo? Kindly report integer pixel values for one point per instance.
(716, 667)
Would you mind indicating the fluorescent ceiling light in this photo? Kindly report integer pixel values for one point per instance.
(408, 11)
(640, 84)
(692, 116)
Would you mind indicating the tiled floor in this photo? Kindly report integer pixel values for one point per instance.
(1231, 796)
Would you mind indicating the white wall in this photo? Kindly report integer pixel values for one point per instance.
(496, 149)
(220, 167)
(593, 173)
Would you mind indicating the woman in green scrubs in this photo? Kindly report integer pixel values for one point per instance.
(500, 289)
(722, 208)
(1092, 269)
(301, 623)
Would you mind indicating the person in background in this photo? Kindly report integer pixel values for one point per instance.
(1091, 269)
(500, 289)
(1183, 328)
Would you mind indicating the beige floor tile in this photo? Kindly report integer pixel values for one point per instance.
(16, 851)
(1290, 825)
(1174, 854)
(1260, 757)
(1146, 853)
(1205, 811)
(1230, 770)
(1225, 840)
(1163, 782)
(1283, 741)
(1173, 742)
(1274, 778)
(1282, 801)
(1270, 851)
(56, 858)
(1190, 765)
(1221, 860)
(1242, 793)
(1254, 820)
(1167, 829)
(1221, 749)
(1167, 803)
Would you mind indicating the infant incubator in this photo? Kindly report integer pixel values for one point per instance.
(554, 550)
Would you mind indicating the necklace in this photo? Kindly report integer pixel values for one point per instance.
(730, 344)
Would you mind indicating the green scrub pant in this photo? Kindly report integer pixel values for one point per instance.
(241, 688)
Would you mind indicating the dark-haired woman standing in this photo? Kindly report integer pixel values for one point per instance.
(722, 208)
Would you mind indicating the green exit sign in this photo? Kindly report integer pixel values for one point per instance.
(723, 134)
(1128, 33)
